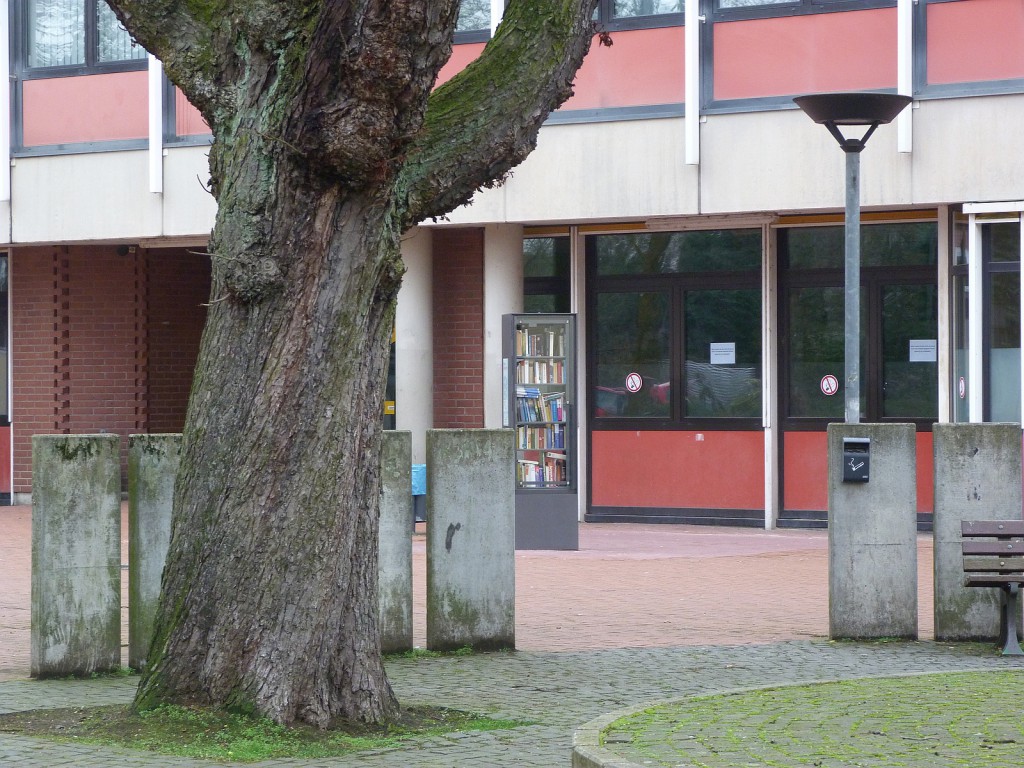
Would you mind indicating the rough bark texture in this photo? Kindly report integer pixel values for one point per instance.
(328, 144)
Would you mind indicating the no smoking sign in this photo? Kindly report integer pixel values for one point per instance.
(829, 384)
(634, 382)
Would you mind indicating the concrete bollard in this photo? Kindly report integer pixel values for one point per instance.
(394, 540)
(977, 477)
(152, 467)
(872, 536)
(76, 555)
(470, 539)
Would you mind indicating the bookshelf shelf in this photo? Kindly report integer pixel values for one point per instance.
(540, 388)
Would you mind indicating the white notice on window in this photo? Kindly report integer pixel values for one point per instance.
(924, 351)
(723, 353)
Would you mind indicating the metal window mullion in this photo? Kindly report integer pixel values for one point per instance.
(905, 73)
(691, 83)
(156, 124)
(1020, 277)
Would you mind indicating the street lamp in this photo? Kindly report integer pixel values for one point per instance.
(864, 110)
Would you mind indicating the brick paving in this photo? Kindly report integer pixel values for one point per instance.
(640, 613)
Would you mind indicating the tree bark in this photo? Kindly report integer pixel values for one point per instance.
(327, 146)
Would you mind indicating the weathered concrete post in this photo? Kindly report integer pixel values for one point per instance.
(470, 539)
(977, 477)
(152, 467)
(76, 555)
(395, 543)
(872, 535)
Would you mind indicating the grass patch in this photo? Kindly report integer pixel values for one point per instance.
(939, 720)
(216, 735)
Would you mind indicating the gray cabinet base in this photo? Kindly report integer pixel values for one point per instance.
(546, 520)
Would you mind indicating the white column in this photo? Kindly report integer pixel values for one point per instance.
(769, 384)
(156, 125)
(503, 293)
(414, 342)
(946, 320)
(905, 72)
(692, 20)
(975, 302)
(578, 305)
(1020, 275)
(497, 11)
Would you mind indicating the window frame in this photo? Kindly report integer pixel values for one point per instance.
(676, 285)
(20, 53)
(794, 8)
(608, 22)
(873, 281)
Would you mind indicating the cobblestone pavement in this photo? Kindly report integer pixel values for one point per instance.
(640, 613)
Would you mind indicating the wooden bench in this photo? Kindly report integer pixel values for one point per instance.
(994, 557)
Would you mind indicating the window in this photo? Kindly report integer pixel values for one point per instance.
(546, 274)
(730, 9)
(681, 311)
(638, 14)
(474, 15)
(75, 33)
(899, 324)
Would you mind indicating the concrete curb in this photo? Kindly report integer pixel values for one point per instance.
(587, 751)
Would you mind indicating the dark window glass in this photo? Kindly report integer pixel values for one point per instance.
(678, 252)
(816, 350)
(881, 245)
(1005, 241)
(1003, 373)
(633, 337)
(910, 367)
(723, 353)
(546, 282)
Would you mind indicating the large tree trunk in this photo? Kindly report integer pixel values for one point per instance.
(329, 142)
(272, 572)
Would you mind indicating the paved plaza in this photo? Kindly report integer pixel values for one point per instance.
(640, 613)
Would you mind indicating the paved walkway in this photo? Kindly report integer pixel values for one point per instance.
(639, 613)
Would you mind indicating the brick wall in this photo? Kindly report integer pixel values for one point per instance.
(178, 289)
(458, 300)
(104, 339)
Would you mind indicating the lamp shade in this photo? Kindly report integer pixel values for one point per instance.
(852, 108)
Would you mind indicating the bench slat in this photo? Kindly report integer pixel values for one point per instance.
(994, 564)
(992, 528)
(994, 580)
(1004, 547)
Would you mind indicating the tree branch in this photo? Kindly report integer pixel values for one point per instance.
(485, 121)
(201, 44)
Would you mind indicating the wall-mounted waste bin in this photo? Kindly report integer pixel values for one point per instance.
(856, 459)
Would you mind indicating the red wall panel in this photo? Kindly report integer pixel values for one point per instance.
(695, 470)
(805, 471)
(187, 119)
(805, 54)
(975, 41)
(640, 67)
(64, 110)
(461, 56)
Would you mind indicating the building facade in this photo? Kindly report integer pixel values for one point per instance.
(679, 204)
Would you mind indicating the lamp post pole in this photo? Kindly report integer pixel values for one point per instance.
(864, 110)
(852, 285)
